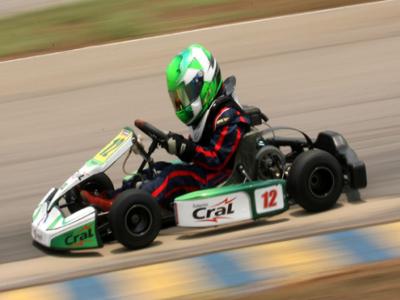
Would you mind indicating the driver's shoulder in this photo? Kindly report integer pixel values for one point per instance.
(226, 115)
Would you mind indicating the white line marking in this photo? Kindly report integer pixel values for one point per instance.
(327, 10)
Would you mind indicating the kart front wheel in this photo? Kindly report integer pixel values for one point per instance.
(315, 180)
(135, 219)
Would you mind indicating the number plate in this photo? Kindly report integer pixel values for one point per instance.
(269, 199)
(113, 146)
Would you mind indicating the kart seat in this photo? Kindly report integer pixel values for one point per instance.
(244, 165)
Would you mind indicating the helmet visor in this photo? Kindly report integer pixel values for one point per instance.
(186, 94)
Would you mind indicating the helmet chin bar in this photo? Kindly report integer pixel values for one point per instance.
(196, 106)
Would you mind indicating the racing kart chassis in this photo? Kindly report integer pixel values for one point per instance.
(270, 173)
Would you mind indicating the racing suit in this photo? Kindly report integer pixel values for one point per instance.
(211, 162)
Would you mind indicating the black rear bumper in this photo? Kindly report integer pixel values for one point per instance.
(353, 168)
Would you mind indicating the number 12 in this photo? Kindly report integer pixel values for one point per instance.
(269, 198)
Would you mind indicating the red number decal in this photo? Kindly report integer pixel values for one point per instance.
(269, 198)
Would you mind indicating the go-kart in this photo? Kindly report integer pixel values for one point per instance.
(270, 173)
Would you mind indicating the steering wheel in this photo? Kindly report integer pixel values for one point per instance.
(150, 130)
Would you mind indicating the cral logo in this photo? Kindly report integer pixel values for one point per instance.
(218, 211)
(83, 234)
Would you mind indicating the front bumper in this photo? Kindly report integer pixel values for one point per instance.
(51, 229)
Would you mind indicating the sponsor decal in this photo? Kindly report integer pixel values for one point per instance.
(112, 147)
(83, 236)
(78, 239)
(222, 121)
(213, 213)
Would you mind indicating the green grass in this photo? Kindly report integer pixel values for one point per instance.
(99, 21)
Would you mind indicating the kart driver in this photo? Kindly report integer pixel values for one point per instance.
(203, 102)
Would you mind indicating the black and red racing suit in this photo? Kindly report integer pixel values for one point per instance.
(213, 158)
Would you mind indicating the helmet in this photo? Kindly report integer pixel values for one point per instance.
(193, 79)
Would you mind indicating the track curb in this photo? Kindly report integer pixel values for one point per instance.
(273, 264)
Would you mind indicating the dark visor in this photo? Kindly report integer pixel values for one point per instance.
(186, 94)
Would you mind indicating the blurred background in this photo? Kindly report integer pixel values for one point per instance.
(306, 68)
(69, 24)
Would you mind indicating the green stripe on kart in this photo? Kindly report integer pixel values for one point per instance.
(54, 223)
(35, 213)
(218, 191)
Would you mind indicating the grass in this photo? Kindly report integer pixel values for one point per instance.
(99, 21)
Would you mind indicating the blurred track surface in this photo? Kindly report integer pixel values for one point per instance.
(336, 69)
(12, 7)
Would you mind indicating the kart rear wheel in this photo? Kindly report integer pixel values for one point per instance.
(96, 184)
(135, 219)
(315, 180)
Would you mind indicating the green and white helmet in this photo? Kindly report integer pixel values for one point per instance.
(193, 79)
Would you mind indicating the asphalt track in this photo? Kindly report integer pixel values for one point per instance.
(337, 69)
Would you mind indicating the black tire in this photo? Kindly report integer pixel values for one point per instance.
(315, 180)
(135, 219)
(95, 184)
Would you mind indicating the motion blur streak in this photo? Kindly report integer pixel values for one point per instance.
(92, 287)
(389, 237)
(165, 280)
(274, 264)
(359, 246)
(290, 258)
(59, 292)
(234, 275)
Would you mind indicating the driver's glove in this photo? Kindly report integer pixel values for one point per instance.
(177, 145)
